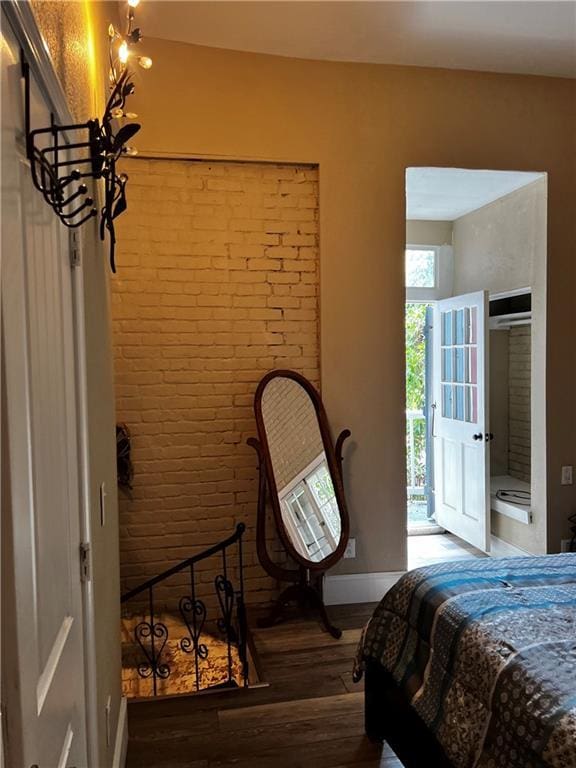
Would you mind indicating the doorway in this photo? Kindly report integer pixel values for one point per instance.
(475, 356)
(419, 452)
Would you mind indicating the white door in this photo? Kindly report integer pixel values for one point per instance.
(461, 440)
(45, 699)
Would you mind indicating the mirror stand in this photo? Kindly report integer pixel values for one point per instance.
(306, 585)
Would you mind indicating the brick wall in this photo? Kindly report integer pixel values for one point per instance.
(292, 429)
(519, 404)
(217, 283)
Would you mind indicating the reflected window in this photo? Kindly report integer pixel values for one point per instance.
(310, 512)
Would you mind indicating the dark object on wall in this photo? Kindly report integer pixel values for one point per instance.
(61, 156)
(572, 519)
(124, 467)
(302, 471)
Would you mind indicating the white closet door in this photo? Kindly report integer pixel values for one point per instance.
(42, 444)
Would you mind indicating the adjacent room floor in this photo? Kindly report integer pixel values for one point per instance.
(438, 548)
(310, 716)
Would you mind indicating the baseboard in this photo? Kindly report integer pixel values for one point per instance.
(121, 741)
(501, 548)
(348, 588)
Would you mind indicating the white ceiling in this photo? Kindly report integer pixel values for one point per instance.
(445, 194)
(518, 36)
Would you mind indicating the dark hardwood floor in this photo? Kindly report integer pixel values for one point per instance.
(310, 715)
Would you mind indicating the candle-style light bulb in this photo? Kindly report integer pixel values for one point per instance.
(133, 3)
(145, 62)
(123, 52)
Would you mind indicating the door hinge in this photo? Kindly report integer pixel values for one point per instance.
(74, 249)
(85, 562)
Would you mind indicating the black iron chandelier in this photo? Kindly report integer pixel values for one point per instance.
(62, 156)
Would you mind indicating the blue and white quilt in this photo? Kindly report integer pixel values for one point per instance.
(485, 651)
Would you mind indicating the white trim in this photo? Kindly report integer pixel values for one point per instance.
(501, 548)
(513, 511)
(350, 588)
(89, 631)
(345, 589)
(508, 294)
(521, 513)
(121, 741)
(505, 322)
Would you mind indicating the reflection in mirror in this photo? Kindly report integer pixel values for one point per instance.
(306, 495)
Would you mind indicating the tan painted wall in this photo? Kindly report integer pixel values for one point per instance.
(76, 35)
(217, 284)
(363, 125)
(428, 232)
(503, 246)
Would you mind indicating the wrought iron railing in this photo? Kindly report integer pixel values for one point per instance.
(158, 653)
(416, 452)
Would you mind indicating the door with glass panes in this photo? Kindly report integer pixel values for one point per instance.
(460, 417)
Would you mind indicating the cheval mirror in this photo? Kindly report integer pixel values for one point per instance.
(301, 473)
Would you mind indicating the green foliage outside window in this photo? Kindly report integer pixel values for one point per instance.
(415, 351)
(415, 384)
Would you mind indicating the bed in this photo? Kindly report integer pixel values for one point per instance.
(472, 664)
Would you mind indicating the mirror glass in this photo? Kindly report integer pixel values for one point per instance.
(308, 504)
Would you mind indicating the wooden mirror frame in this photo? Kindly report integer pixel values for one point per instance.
(333, 459)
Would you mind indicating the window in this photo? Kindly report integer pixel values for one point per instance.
(420, 267)
(459, 372)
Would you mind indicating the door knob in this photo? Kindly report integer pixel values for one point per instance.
(478, 436)
(488, 436)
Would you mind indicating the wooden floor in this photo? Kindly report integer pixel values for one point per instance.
(310, 716)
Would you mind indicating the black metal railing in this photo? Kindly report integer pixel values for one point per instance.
(156, 650)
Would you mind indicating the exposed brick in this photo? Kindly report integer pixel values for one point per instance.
(519, 402)
(217, 283)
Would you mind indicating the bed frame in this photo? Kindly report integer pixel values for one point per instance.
(389, 717)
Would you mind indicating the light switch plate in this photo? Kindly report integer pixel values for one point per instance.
(566, 478)
(350, 551)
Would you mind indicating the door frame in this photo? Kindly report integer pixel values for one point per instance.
(25, 29)
(428, 410)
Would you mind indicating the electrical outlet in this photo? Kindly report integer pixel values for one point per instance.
(566, 477)
(350, 551)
